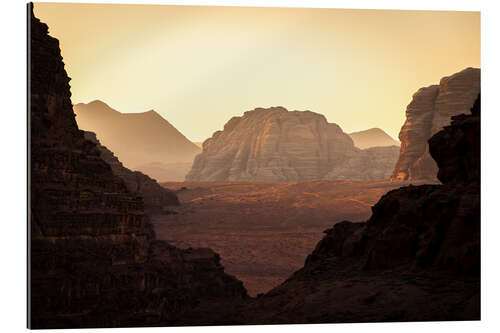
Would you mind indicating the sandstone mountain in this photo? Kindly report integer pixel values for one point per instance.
(138, 139)
(156, 198)
(416, 259)
(373, 137)
(430, 109)
(275, 144)
(93, 258)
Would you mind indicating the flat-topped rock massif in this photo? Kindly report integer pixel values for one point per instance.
(430, 109)
(417, 258)
(139, 139)
(275, 144)
(156, 198)
(94, 260)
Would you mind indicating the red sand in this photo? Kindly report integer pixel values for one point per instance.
(264, 231)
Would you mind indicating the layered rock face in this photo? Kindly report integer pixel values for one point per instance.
(430, 109)
(156, 198)
(416, 258)
(278, 145)
(94, 260)
(373, 163)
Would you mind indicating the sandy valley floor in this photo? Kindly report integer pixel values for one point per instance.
(264, 231)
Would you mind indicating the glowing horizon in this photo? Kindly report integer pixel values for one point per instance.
(198, 66)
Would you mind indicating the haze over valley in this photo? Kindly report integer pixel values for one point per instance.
(262, 189)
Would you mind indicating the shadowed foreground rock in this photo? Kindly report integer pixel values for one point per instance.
(430, 109)
(275, 144)
(417, 258)
(94, 260)
(156, 198)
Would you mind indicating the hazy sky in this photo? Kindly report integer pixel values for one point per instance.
(199, 66)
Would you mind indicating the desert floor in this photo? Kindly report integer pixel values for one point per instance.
(264, 231)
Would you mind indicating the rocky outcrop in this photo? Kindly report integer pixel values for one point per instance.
(456, 148)
(138, 139)
(373, 137)
(93, 257)
(416, 258)
(275, 144)
(156, 198)
(430, 109)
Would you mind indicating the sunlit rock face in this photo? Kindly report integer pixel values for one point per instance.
(430, 109)
(275, 144)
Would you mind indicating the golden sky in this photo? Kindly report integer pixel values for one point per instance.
(199, 66)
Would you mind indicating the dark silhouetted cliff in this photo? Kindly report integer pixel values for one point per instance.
(94, 260)
(156, 198)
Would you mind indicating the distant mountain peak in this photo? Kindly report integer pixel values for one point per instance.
(96, 102)
(135, 138)
(372, 137)
(153, 113)
(96, 105)
(373, 129)
(370, 130)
